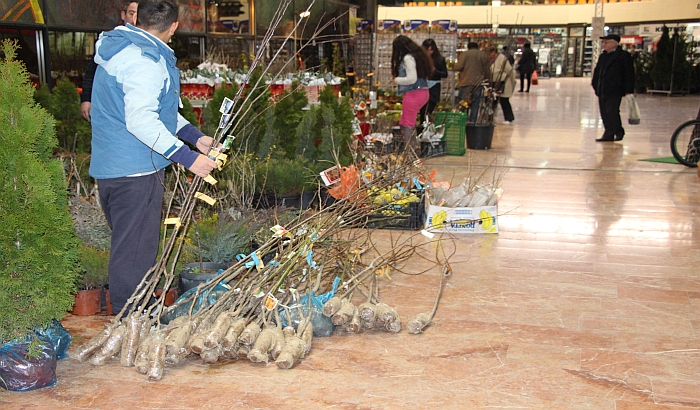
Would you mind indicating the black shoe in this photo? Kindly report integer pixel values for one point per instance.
(520, 91)
(619, 137)
(527, 91)
(605, 139)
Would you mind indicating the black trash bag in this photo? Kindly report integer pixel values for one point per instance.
(58, 336)
(21, 373)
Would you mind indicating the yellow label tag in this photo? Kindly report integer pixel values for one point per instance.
(205, 198)
(220, 163)
(210, 179)
(270, 302)
(173, 221)
(383, 271)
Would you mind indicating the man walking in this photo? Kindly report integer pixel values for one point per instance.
(474, 68)
(134, 126)
(613, 78)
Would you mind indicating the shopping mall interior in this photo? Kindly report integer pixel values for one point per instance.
(587, 297)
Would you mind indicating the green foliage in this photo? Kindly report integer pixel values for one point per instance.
(94, 263)
(219, 239)
(338, 68)
(288, 115)
(64, 104)
(187, 111)
(254, 108)
(336, 133)
(38, 247)
(212, 122)
(285, 176)
(306, 135)
(270, 138)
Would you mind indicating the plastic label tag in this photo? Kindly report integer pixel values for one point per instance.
(331, 175)
(173, 221)
(226, 106)
(206, 198)
(210, 179)
(383, 271)
(270, 302)
(427, 234)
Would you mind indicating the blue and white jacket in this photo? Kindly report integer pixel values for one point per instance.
(408, 76)
(135, 98)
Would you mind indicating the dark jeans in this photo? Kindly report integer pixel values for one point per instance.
(434, 99)
(477, 91)
(507, 109)
(525, 76)
(133, 208)
(610, 113)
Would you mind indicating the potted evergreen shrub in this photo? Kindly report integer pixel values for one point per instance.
(94, 264)
(215, 242)
(38, 246)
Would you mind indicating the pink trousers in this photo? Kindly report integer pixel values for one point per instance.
(413, 101)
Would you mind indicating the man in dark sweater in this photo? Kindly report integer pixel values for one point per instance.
(613, 78)
(128, 13)
(526, 66)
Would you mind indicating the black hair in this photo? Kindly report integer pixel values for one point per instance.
(157, 15)
(126, 3)
(403, 45)
(526, 45)
(430, 43)
(472, 45)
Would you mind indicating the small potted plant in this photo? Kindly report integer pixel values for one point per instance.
(215, 242)
(94, 263)
(286, 182)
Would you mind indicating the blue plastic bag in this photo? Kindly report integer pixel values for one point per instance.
(203, 300)
(58, 337)
(18, 372)
(323, 326)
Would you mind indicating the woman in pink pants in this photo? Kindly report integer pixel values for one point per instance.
(411, 67)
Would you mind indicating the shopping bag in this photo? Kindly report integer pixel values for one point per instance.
(634, 117)
(534, 80)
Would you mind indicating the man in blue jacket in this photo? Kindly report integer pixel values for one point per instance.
(613, 78)
(137, 132)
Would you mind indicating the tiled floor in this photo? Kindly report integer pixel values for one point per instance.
(587, 298)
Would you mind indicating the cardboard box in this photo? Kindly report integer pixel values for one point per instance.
(483, 219)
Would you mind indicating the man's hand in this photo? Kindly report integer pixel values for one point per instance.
(203, 165)
(85, 110)
(204, 143)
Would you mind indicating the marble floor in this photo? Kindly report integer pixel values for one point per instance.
(587, 298)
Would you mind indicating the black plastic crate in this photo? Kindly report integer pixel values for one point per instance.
(427, 149)
(381, 148)
(413, 220)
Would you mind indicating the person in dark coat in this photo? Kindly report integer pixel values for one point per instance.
(526, 66)
(129, 13)
(613, 78)
(434, 82)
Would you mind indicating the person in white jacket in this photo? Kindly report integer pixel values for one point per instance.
(137, 132)
(410, 68)
(503, 81)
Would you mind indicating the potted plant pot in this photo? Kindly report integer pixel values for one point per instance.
(87, 302)
(108, 303)
(170, 296)
(479, 136)
(197, 273)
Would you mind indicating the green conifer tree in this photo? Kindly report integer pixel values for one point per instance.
(187, 111)
(38, 247)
